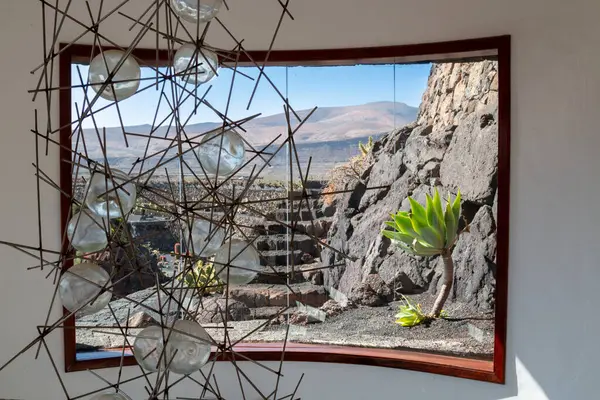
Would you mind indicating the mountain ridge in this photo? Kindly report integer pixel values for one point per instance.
(299, 112)
(326, 124)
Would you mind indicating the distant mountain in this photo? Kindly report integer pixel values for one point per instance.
(327, 124)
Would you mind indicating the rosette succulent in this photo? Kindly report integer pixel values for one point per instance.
(427, 231)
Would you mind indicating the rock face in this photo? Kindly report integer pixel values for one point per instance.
(452, 145)
(131, 274)
(372, 292)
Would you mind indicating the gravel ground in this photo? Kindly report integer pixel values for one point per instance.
(375, 327)
(466, 333)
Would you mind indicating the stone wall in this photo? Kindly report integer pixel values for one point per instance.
(452, 145)
(455, 90)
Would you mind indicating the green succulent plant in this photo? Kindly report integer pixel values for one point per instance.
(426, 231)
(366, 148)
(410, 314)
(203, 277)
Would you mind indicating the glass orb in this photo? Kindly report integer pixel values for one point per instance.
(76, 289)
(148, 348)
(191, 352)
(194, 10)
(126, 80)
(243, 262)
(110, 396)
(195, 66)
(86, 232)
(202, 231)
(102, 198)
(231, 150)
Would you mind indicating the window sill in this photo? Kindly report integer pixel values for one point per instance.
(482, 370)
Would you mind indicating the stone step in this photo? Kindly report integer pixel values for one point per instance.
(269, 312)
(279, 275)
(300, 215)
(282, 241)
(269, 228)
(318, 228)
(312, 272)
(263, 295)
(313, 204)
(281, 257)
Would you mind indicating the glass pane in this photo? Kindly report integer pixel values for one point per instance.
(302, 198)
(158, 268)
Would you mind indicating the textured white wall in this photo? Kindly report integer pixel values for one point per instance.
(554, 278)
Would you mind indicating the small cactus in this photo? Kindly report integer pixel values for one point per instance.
(203, 277)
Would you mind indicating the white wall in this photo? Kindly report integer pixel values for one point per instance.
(552, 325)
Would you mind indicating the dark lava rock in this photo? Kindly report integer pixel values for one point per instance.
(453, 145)
(475, 262)
(328, 210)
(372, 292)
(471, 162)
(132, 270)
(332, 308)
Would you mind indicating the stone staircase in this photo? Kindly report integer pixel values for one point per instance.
(289, 263)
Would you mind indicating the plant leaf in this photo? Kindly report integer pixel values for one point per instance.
(439, 211)
(406, 248)
(398, 236)
(424, 251)
(451, 226)
(432, 217)
(456, 207)
(391, 224)
(409, 314)
(431, 238)
(418, 213)
(404, 224)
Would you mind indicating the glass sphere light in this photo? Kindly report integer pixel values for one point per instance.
(126, 80)
(80, 284)
(104, 200)
(207, 238)
(148, 348)
(222, 153)
(196, 10)
(195, 66)
(189, 346)
(242, 260)
(86, 232)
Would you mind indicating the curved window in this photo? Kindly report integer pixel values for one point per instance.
(325, 148)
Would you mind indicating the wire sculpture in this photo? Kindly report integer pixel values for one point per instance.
(97, 225)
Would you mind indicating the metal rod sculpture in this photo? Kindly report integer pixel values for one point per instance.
(169, 352)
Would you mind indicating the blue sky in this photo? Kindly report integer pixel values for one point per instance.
(306, 88)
